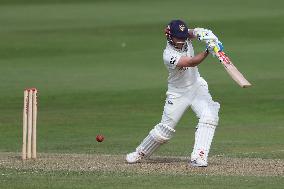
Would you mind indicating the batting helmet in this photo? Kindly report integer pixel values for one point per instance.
(177, 29)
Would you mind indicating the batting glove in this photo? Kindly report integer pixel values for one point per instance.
(204, 34)
(213, 47)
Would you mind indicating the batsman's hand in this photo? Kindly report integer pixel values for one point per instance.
(204, 34)
(214, 46)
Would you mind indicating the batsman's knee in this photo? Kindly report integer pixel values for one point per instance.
(210, 114)
(162, 133)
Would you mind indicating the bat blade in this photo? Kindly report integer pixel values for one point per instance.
(235, 74)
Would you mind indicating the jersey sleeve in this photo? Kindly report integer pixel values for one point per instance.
(171, 59)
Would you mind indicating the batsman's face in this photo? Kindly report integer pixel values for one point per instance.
(179, 42)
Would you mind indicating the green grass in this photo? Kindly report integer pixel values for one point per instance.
(125, 180)
(89, 83)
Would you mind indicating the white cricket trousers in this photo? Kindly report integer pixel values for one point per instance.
(197, 97)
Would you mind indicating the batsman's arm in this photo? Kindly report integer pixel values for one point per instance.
(186, 61)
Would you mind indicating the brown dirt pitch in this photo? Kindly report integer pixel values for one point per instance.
(155, 165)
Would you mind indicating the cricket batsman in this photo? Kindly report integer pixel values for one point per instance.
(186, 88)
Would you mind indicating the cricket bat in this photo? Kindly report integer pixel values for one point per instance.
(232, 70)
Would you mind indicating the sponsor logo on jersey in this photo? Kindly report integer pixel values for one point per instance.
(173, 60)
(183, 68)
(170, 102)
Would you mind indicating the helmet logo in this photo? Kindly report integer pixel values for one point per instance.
(181, 27)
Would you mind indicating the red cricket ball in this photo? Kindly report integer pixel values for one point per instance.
(100, 138)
